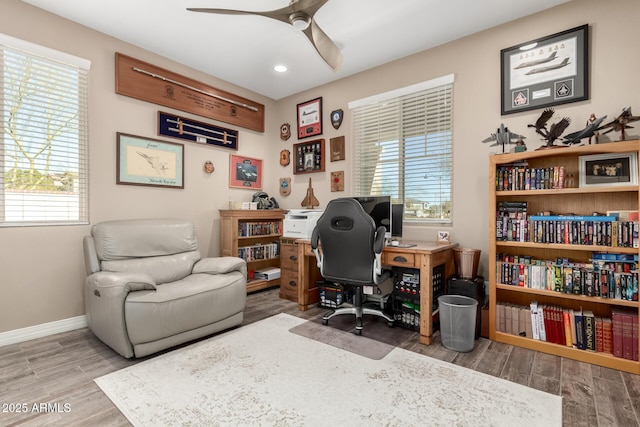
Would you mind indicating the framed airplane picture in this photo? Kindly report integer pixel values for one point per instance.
(245, 172)
(548, 71)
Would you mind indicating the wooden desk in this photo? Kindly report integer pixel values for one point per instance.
(424, 256)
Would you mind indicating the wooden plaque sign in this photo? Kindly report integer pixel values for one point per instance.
(147, 82)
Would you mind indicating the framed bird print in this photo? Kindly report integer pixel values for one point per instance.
(146, 161)
(548, 71)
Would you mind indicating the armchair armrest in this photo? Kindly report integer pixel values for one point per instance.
(220, 265)
(104, 297)
(120, 283)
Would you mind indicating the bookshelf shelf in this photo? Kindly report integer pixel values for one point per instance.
(236, 222)
(580, 248)
(582, 298)
(577, 201)
(601, 359)
(262, 236)
(565, 191)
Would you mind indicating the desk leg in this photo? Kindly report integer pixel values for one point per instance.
(308, 276)
(303, 279)
(428, 262)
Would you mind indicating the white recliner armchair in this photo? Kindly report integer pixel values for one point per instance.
(148, 289)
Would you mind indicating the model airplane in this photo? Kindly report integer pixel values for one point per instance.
(620, 122)
(310, 200)
(587, 132)
(537, 61)
(554, 131)
(564, 63)
(503, 137)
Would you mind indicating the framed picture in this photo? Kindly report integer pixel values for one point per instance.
(191, 130)
(337, 148)
(146, 161)
(549, 71)
(443, 237)
(309, 156)
(310, 118)
(608, 170)
(245, 172)
(337, 181)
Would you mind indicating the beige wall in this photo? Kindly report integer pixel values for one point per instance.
(41, 268)
(475, 62)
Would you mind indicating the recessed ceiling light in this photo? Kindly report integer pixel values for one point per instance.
(280, 68)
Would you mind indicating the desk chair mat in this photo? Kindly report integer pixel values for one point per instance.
(377, 340)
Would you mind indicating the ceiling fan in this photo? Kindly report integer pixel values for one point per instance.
(299, 14)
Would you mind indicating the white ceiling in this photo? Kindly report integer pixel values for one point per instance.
(244, 49)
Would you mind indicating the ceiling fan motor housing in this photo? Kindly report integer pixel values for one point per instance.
(300, 20)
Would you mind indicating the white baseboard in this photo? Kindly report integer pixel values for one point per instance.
(43, 330)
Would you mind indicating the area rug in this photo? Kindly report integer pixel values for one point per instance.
(263, 375)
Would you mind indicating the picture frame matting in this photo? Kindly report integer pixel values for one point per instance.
(147, 161)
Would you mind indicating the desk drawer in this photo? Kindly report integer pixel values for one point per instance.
(400, 259)
(289, 283)
(289, 257)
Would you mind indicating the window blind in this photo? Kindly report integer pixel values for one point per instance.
(403, 148)
(44, 147)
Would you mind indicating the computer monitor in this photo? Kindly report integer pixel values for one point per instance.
(378, 208)
(397, 213)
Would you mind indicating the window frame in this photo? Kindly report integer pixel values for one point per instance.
(73, 148)
(391, 129)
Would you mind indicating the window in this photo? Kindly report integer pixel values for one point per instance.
(44, 145)
(403, 148)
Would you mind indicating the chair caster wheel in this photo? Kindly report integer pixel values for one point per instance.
(325, 321)
(358, 332)
(390, 324)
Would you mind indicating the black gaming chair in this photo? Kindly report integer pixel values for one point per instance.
(348, 249)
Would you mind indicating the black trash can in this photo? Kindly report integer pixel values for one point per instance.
(472, 288)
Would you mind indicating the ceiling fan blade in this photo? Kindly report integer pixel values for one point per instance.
(324, 45)
(279, 14)
(296, 10)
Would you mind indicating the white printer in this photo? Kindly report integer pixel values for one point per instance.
(299, 223)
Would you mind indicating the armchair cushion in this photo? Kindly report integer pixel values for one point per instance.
(163, 269)
(139, 238)
(190, 303)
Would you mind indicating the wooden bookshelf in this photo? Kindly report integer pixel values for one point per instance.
(232, 239)
(578, 201)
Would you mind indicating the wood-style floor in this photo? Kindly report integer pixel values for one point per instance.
(49, 381)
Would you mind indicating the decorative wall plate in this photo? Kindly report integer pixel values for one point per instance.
(285, 157)
(336, 118)
(285, 186)
(285, 131)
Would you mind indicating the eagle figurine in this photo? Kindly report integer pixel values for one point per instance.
(555, 130)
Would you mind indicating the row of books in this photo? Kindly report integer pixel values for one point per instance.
(511, 222)
(259, 251)
(594, 280)
(583, 230)
(580, 329)
(571, 230)
(261, 228)
(521, 177)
